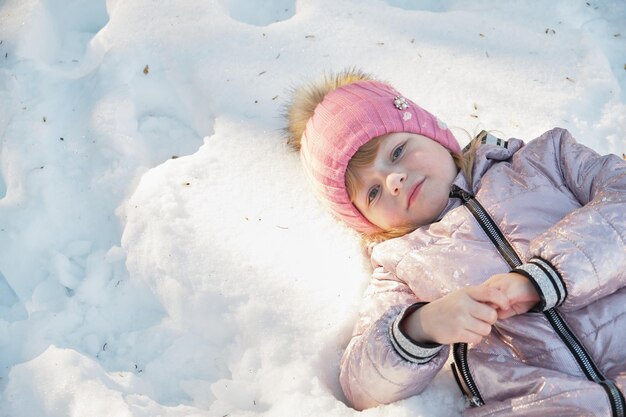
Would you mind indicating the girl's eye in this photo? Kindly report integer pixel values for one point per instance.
(397, 152)
(372, 194)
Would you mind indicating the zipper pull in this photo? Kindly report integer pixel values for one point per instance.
(458, 192)
(475, 401)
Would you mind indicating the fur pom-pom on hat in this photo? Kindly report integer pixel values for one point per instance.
(329, 123)
(305, 98)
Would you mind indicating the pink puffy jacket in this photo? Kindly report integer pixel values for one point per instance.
(552, 210)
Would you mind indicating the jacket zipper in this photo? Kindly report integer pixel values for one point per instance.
(618, 405)
(465, 380)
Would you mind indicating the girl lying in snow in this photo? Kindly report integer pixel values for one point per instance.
(510, 254)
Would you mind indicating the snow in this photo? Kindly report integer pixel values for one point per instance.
(160, 252)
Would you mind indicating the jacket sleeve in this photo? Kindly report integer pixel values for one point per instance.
(381, 364)
(582, 258)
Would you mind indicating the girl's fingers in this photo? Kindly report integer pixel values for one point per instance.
(470, 337)
(485, 313)
(480, 327)
(505, 314)
(486, 294)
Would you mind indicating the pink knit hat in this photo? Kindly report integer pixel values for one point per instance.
(347, 118)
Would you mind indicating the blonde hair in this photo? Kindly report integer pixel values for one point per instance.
(365, 156)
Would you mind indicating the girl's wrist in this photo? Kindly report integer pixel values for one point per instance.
(403, 341)
(546, 281)
(412, 325)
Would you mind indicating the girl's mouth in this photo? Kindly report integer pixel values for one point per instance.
(414, 193)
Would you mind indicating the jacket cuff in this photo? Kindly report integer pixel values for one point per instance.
(408, 348)
(547, 282)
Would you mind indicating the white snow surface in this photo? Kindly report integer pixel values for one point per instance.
(160, 251)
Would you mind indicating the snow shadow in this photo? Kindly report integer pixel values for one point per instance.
(3, 187)
(425, 5)
(10, 307)
(260, 13)
(61, 32)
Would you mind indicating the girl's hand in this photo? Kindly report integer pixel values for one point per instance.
(465, 315)
(519, 290)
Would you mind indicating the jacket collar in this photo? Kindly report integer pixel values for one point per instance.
(491, 151)
(489, 154)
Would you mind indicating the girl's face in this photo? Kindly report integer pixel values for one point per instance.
(407, 184)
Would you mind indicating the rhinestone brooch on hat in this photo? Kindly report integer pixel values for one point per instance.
(400, 103)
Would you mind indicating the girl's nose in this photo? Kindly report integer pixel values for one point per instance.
(395, 182)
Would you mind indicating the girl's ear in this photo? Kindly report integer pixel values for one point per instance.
(305, 98)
